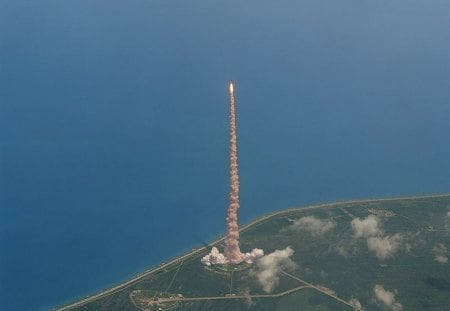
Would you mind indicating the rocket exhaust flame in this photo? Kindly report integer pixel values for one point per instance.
(232, 250)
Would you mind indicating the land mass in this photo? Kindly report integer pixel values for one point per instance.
(362, 255)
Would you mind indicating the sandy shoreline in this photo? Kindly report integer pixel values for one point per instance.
(260, 220)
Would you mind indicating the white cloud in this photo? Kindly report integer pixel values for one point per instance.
(364, 228)
(384, 247)
(313, 225)
(356, 304)
(386, 298)
(370, 229)
(269, 267)
(441, 259)
(440, 253)
(343, 250)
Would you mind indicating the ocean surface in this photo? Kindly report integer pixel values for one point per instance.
(113, 124)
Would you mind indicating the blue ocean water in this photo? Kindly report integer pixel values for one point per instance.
(113, 141)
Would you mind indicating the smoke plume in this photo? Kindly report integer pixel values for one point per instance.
(269, 267)
(214, 257)
(232, 250)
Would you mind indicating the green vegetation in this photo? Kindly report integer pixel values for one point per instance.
(332, 266)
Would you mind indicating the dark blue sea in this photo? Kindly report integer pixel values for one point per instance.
(113, 124)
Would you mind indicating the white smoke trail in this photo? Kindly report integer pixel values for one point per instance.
(232, 250)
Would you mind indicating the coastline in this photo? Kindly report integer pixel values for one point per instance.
(253, 223)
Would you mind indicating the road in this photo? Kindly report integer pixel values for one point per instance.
(244, 228)
(328, 293)
(287, 292)
(174, 276)
(176, 299)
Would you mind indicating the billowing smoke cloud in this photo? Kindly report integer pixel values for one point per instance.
(269, 267)
(232, 250)
(253, 256)
(440, 253)
(214, 258)
(313, 225)
(356, 304)
(386, 298)
(217, 258)
(369, 228)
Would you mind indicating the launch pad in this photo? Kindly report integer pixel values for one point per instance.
(330, 279)
(232, 267)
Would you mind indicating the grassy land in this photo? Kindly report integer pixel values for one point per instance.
(334, 260)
